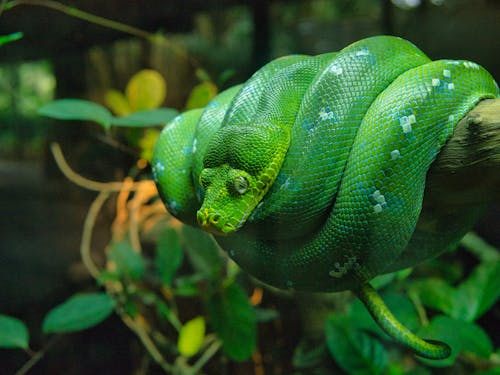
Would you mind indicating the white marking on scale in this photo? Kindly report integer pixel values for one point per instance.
(195, 142)
(451, 86)
(159, 167)
(325, 115)
(405, 123)
(377, 208)
(363, 52)
(173, 207)
(337, 70)
(395, 154)
(451, 117)
(407, 128)
(378, 197)
(446, 73)
(435, 82)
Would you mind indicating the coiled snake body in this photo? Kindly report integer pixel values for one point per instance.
(312, 173)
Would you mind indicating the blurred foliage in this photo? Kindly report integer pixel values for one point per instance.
(23, 88)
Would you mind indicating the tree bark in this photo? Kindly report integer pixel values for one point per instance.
(467, 170)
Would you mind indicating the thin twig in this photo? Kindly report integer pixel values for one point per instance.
(148, 343)
(88, 228)
(37, 356)
(206, 356)
(82, 181)
(417, 303)
(134, 222)
(101, 21)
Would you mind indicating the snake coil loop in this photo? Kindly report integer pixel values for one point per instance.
(328, 156)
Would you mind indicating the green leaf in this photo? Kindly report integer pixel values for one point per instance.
(187, 286)
(479, 247)
(354, 350)
(169, 255)
(459, 335)
(146, 118)
(225, 76)
(191, 337)
(309, 354)
(4, 39)
(77, 109)
(493, 371)
(478, 293)
(436, 294)
(79, 312)
(382, 280)
(13, 333)
(129, 263)
(234, 321)
(202, 251)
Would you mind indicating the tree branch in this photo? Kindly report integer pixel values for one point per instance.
(466, 171)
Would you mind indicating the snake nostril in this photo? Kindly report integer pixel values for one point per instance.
(202, 216)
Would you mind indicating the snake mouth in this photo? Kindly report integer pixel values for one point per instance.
(211, 221)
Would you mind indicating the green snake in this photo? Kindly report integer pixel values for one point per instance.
(311, 174)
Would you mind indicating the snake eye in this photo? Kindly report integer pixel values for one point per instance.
(240, 185)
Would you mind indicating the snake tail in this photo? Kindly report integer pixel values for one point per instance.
(387, 321)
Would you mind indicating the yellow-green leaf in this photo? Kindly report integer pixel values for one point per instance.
(201, 95)
(117, 102)
(148, 142)
(191, 336)
(146, 90)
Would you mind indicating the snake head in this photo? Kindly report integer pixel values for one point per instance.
(240, 165)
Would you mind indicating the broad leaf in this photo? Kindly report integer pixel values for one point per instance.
(309, 354)
(355, 351)
(493, 371)
(146, 118)
(118, 103)
(169, 255)
(478, 293)
(187, 286)
(479, 247)
(234, 321)
(146, 90)
(459, 335)
(13, 333)
(80, 312)
(77, 109)
(436, 294)
(201, 95)
(191, 337)
(4, 39)
(129, 263)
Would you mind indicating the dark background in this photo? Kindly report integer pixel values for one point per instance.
(41, 214)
